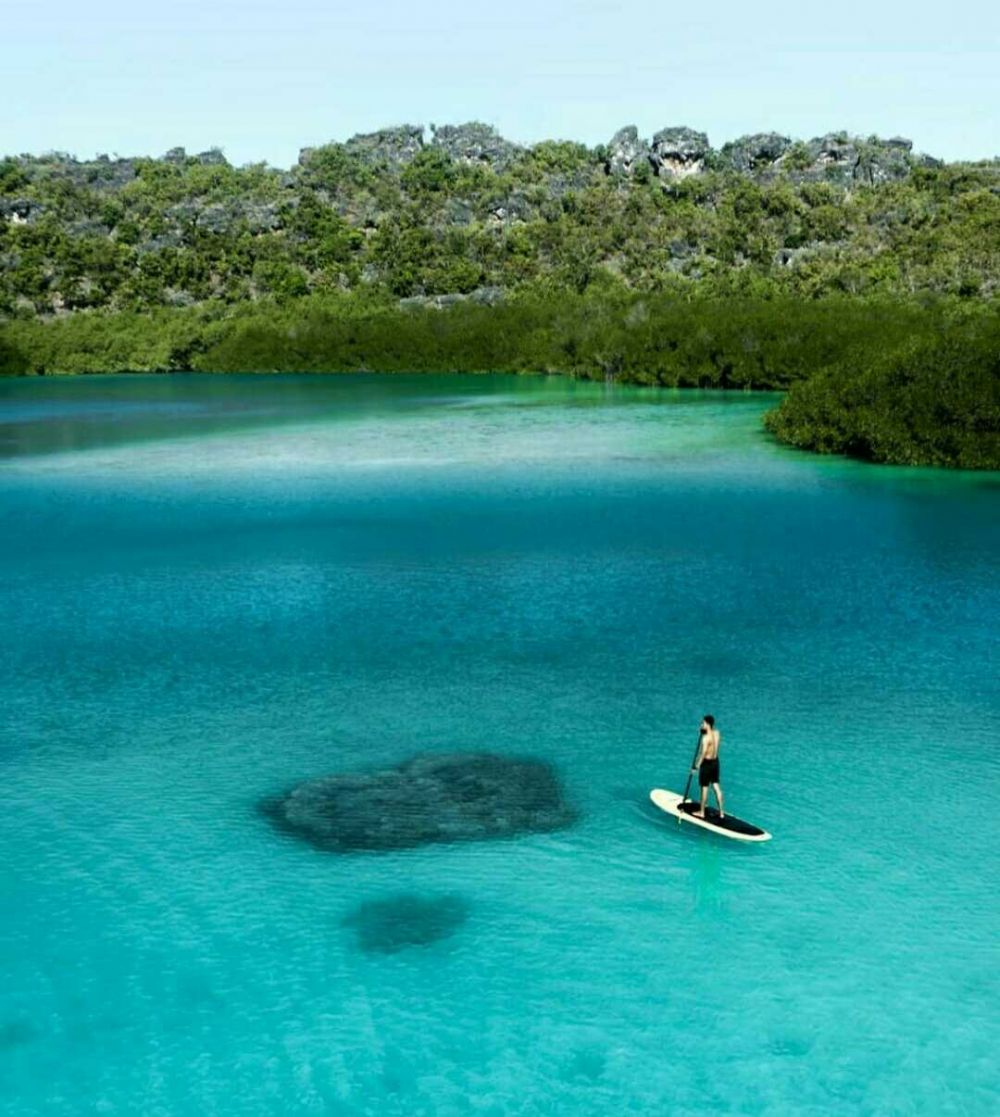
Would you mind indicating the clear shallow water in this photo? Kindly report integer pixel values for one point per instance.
(214, 587)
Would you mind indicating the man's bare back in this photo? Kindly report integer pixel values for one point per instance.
(707, 765)
(710, 741)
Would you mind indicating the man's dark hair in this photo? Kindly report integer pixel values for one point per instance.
(710, 720)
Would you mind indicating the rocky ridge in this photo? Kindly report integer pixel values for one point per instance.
(673, 152)
(459, 213)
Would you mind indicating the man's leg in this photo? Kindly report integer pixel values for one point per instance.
(704, 800)
(718, 795)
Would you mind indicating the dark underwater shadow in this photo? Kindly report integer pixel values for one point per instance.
(405, 920)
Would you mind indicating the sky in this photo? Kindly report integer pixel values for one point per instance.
(261, 79)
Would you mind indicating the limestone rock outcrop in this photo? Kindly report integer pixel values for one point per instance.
(479, 296)
(679, 151)
(627, 153)
(883, 160)
(19, 211)
(396, 146)
(475, 142)
(754, 152)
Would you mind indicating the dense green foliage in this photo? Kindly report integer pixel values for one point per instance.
(13, 361)
(367, 256)
(663, 340)
(934, 402)
(654, 339)
(146, 233)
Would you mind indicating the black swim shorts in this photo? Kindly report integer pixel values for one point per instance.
(708, 772)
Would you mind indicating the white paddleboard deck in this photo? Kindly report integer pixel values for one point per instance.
(728, 827)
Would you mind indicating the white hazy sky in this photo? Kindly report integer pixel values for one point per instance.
(262, 79)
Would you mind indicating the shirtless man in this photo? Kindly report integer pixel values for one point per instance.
(707, 764)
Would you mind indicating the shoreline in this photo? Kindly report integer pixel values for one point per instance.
(905, 383)
(768, 419)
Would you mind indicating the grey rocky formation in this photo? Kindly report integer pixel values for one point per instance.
(475, 143)
(508, 209)
(834, 156)
(681, 249)
(223, 217)
(482, 296)
(626, 153)
(846, 160)
(156, 244)
(102, 173)
(174, 296)
(363, 212)
(679, 151)
(560, 183)
(434, 798)
(883, 160)
(791, 257)
(674, 153)
(405, 920)
(105, 173)
(19, 211)
(184, 214)
(262, 217)
(216, 218)
(395, 146)
(751, 153)
(212, 158)
(118, 174)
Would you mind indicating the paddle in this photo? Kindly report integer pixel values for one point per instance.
(687, 786)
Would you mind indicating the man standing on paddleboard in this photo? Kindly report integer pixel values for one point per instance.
(707, 764)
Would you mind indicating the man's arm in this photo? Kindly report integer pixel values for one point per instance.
(701, 750)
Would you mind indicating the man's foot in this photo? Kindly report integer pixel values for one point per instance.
(699, 814)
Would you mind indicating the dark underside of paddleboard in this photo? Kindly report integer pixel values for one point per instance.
(731, 823)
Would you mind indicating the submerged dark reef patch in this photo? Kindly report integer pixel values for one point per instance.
(16, 1033)
(405, 920)
(434, 798)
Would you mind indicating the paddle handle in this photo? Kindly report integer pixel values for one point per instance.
(687, 786)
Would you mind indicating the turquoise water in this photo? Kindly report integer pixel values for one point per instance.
(215, 587)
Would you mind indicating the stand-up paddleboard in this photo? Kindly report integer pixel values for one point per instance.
(728, 827)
